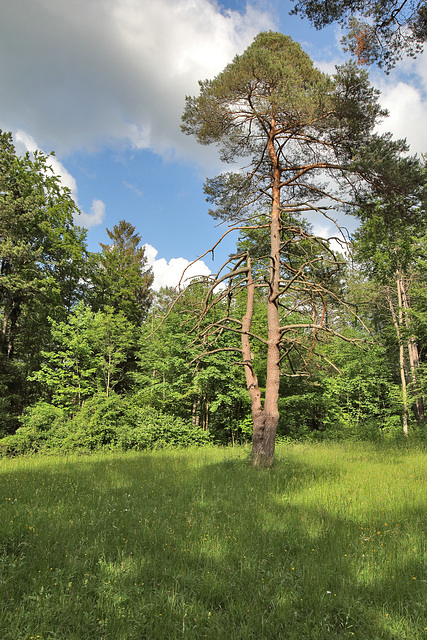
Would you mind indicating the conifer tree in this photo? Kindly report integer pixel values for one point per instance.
(298, 133)
(123, 280)
(378, 32)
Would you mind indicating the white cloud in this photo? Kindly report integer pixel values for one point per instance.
(420, 66)
(90, 73)
(24, 142)
(407, 106)
(338, 241)
(133, 188)
(169, 274)
(94, 218)
(333, 54)
(404, 95)
(323, 231)
(87, 73)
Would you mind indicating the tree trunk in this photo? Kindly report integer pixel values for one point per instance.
(205, 414)
(264, 425)
(251, 377)
(267, 420)
(108, 374)
(413, 357)
(397, 320)
(195, 417)
(264, 439)
(12, 310)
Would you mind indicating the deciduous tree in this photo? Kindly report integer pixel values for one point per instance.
(389, 244)
(89, 352)
(42, 260)
(170, 375)
(41, 249)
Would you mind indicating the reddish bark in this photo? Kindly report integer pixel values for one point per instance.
(266, 419)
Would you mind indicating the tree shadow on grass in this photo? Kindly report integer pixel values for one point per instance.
(170, 549)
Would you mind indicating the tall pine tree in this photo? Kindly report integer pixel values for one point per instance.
(297, 131)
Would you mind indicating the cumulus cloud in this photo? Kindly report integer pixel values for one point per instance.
(94, 218)
(24, 142)
(338, 239)
(88, 73)
(91, 73)
(408, 115)
(407, 103)
(169, 274)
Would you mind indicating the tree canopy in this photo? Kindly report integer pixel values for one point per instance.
(378, 32)
(41, 249)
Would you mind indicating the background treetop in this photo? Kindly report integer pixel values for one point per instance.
(378, 32)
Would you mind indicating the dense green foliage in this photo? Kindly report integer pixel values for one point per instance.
(103, 423)
(43, 259)
(328, 544)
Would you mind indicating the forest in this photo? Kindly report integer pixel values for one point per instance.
(296, 337)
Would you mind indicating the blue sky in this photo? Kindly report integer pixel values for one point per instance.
(103, 82)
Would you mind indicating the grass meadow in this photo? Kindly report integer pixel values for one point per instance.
(194, 544)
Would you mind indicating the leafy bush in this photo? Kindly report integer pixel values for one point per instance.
(169, 431)
(244, 431)
(38, 423)
(42, 417)
(112, 423)
(99, 422)
(23, 441)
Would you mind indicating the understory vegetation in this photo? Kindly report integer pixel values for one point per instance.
(329, 543)
(104, 424)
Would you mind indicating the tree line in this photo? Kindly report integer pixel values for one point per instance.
(295, 336)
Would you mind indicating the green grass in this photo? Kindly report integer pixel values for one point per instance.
(195, 544)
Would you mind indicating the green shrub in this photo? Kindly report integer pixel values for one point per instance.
(113, 423)
(42, 417)
(164, 430)
(38, 423)
(99, 422)
(22, 442)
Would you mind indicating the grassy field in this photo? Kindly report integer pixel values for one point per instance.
(330, 543)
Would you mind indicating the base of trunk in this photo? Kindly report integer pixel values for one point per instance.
(264, 440)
